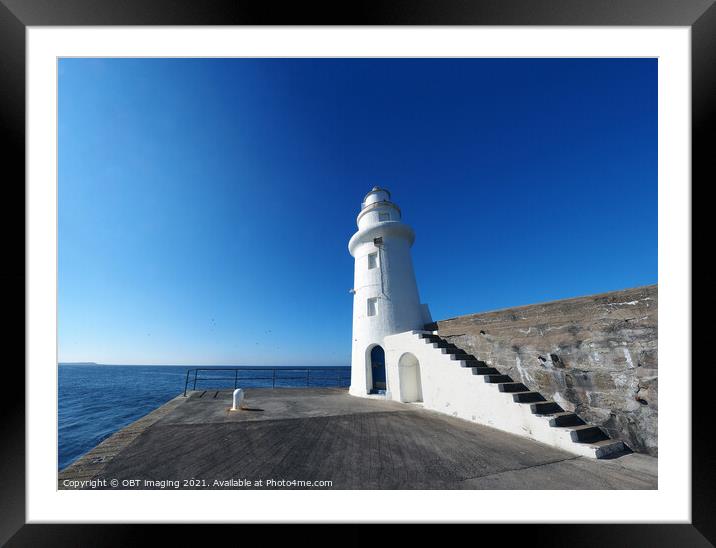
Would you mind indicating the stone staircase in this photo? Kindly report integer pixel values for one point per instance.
(548, 422)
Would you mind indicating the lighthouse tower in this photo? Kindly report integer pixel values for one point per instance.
(385, 293)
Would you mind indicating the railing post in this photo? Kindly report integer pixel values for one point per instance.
(186, 382)
(196, 371)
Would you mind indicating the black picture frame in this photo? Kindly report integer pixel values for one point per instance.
(17, 15)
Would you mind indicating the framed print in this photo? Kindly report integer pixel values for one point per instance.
(414, 265)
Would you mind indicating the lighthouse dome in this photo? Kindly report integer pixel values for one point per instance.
(376, 207)
(376, 194)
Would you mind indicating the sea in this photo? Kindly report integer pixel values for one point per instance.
(95, 401)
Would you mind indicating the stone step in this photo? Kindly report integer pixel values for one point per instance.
(465, 357)
(545, 408)
(453, 349)
(512, 387)
(449, 349)
(606, 447)
(586, 433)
(565, 418)
(467, 362)
(527, 397)
(484, 370)
(468, 358)
(446, 350)
(496, 379)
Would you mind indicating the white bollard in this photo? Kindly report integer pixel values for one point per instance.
(238, 398)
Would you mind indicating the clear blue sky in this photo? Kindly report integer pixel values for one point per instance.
(205, 206)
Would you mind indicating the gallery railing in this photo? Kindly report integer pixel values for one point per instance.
(265, 377)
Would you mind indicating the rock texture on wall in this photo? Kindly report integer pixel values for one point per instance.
(595, 355)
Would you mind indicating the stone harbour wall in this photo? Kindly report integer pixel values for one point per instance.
(595, 356)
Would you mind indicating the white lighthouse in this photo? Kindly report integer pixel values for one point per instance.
(385, 300)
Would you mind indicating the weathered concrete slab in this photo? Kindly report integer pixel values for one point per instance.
(626, 472)
(311, 435)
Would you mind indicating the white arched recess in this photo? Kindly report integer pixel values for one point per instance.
(411, 389)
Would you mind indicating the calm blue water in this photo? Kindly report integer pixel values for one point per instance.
(97, 400)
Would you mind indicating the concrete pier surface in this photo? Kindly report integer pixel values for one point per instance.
(322, 438)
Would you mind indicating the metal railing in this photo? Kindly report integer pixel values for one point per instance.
(267, 376)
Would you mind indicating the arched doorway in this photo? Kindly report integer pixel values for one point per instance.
(411, 388)
(377, 369)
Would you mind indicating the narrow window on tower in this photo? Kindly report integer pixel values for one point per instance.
(371, 306)
(372, 260)
(383, 217)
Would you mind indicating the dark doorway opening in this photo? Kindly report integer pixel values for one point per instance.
(377, 368)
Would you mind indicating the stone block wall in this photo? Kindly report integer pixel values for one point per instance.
(594, 355)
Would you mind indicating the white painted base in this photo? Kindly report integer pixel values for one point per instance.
(364, 394)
